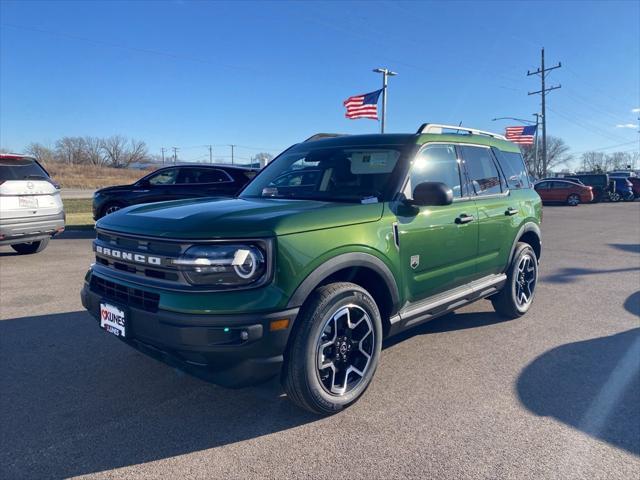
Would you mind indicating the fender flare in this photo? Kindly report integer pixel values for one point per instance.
(527, 227)
(340, 262)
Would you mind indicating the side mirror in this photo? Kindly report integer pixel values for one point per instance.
(142, 183)
(432, 193)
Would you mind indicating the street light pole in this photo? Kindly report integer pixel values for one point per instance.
(385, 73)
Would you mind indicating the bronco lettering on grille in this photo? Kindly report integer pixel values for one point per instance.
(132, 257)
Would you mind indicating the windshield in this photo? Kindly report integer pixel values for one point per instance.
(338, 174)
(21, 169)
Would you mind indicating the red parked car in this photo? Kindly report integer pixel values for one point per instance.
(563, 191)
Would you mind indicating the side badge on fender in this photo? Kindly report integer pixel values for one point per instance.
(415, 261)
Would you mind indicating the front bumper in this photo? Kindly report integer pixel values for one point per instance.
(29, 229)
(229, 350)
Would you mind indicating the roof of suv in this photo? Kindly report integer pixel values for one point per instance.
(413, 138)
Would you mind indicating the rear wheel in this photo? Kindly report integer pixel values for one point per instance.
(517, 295)
(573, 200)
(615, 197)
(30, 247)
(335, 349)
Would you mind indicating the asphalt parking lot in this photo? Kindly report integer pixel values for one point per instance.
(555, 394)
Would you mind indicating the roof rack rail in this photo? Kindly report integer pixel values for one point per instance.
(320, 136)
(438, 128)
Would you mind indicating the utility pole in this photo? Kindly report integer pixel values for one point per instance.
(232, 151)
(385, 73)
(162, 150)
(542, 71)
(175, 155)
(210, 153)
(535, 139)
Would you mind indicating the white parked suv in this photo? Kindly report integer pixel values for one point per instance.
(31, 210)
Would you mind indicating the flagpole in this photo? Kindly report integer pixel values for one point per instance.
(385, 73)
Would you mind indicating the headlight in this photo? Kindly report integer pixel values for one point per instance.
(223, 265)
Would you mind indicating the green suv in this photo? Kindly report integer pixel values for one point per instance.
(339, 243)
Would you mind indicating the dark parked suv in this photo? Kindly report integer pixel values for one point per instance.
(174, 183)
(335, 245)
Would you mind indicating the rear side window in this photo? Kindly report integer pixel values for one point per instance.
(513, 168)
(21, 169)
(482, 170)
(203, 175)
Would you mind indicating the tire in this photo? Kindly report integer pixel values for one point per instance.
(322, 321)
(30, 247)
(110, 208)
(615, 197)
(520, 279)
(573, 200)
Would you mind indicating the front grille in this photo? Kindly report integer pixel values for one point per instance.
(132, 297)
(142, 248)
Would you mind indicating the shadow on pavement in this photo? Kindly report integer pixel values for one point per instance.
(74, 401)
(626, 247)
(572, 274)
(447, 323)
(592, 385)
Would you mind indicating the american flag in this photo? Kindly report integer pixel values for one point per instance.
(363, 106)
(521, 135)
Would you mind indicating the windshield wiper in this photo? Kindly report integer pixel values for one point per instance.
(34, 176)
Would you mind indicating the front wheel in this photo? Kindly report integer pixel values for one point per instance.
(335, 349)
(573, 200)
(30, 247)
(516, 296)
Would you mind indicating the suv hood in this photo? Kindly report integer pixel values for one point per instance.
(236, 217)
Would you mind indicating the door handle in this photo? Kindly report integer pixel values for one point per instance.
(511, 211)
(464, 218)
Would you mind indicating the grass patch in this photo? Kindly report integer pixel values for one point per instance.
(92, 177)
(79, 213)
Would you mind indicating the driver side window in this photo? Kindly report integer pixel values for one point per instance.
(435, 163)
(165, 177)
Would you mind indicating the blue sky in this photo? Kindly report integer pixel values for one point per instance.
(268, 74)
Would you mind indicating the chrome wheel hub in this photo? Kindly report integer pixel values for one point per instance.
(344, 349)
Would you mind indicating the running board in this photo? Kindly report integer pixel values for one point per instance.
(442, 303)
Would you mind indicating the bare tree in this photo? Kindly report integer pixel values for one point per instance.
(94, 151)
(557, 155)
(41, 153)
(136, 152)
(114, 148)
(71, 150)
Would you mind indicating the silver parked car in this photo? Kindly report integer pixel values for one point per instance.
(31, 210)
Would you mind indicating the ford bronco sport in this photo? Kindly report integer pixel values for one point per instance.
(304, 279)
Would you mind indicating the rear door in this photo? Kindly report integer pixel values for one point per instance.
(26, 189)
(497, 210)
(438, 244)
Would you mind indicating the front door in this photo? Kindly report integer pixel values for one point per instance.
(438, 244)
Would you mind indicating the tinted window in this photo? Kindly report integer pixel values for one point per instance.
(482, 170)
(435, 163)
(513, 168)
(542, 185)
(21, 169)
(203, 175)
(164, 177)
(558, 185)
